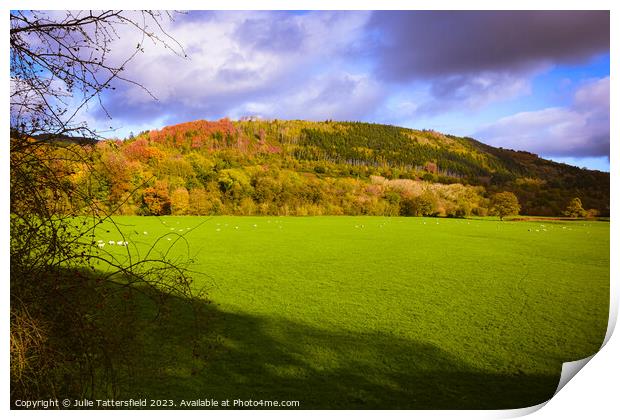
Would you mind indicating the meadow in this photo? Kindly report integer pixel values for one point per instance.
(373, 312)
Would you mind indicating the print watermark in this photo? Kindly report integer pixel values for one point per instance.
(203, 403)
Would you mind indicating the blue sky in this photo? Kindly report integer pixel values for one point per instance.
(536, 81)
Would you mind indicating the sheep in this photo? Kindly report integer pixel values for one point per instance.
(111, 243)
(100, 244)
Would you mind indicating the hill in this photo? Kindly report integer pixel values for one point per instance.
(306, 168)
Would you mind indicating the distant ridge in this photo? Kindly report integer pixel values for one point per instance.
(543, 186)
(297, 167)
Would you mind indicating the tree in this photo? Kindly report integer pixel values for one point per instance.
(60, 62)
(504, 204)
(421, 205)
(179, 201)
(575, 209)
(155, 199)
(199, 202)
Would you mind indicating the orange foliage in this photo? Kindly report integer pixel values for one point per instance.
(156, 199)
(141, 150)
(196, 134)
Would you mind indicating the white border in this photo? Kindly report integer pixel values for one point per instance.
(592, 394)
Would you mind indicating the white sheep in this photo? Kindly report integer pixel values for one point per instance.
(100, 244)
(111, 243)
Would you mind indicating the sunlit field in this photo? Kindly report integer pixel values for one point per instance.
(373, 312)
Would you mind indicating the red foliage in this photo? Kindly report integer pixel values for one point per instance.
(431, 167)
(196, 134)
(141, 150)
(156, 199)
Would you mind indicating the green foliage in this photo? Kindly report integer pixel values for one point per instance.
(575, 209)
(504, 204)
(421, 205)
(302, 167)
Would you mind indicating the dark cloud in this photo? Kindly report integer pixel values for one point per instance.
(433, 44)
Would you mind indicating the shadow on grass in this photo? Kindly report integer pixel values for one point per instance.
(135, 346)
(241, 356)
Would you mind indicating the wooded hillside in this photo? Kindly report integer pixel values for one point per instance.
(313, 168)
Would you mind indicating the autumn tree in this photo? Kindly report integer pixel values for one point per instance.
(199, 203)
(156, 200)
(575, 209)
(59, 64)
(504, 204)
(179, 201)
(421, 205)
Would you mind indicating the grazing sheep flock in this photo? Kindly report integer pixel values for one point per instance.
(220, 227)
(101, 244)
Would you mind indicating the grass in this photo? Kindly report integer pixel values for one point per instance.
(373, 312)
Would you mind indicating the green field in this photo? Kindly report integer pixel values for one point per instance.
(373, 312)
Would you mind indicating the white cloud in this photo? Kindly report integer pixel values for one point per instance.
(581, 129)
(473, 92)
(338, 96)
(240, 60)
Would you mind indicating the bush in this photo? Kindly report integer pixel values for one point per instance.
(422, 205)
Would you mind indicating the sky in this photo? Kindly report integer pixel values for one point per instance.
(524, 80)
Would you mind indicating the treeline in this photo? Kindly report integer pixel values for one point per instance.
(311, 168)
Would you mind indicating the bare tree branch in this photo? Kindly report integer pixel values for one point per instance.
(60, 62)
